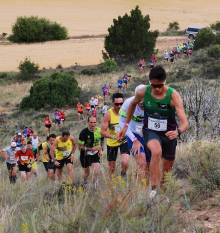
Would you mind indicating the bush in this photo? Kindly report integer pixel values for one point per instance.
(173, 26)
(108, 66)
(204, 38)
(34, 29)
(57, 90)
(214, 51)
(201, 165)
(28, 69)
(129, 37)
(216, 26)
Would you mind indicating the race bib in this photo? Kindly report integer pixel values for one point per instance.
(24, 158)
(139, 130)
(66, 154)
(92, 152)
(157, 124)
(117, 128)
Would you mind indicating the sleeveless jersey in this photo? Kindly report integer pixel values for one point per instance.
(159, 115)
(136, 123)
(113, 129)
(63, 149)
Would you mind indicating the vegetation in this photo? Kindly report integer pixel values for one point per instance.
(201, 165)
(28, 69)
(129, 37)
(173, 26)
(204, 64)
(204, 38)
(216, 26)
(108, 66)
(57, 90)
(34, 29)
(173, 29)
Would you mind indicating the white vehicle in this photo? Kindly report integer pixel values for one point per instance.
(191, 32)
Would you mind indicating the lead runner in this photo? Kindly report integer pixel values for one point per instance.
(161, 105)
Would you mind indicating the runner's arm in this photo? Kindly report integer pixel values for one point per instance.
(178, 104)
(74, 143)
(105, 126)
(129, 133)
(3, 154)
(52, 150)
(139, 95)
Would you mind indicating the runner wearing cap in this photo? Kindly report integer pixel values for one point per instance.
(9, 155)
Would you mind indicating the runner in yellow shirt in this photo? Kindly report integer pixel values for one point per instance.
(63, 149)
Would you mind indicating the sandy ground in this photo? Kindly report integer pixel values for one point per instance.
(66, 53)
(91, 18)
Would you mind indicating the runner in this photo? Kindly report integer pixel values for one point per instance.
(120, 85)
(57, 118)
(161, 102)
(9, 156)
(47, 158)
(90, 149)
(110, 129)
(87, 107)
(79, 108)
(24, 158)
(104, 109)
(134, 135)
(141, 64)
(63, 148)
(105, 91)
(62, 117)
(47, 124)
(34, 140)
(19, 139)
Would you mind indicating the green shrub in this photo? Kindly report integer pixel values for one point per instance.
(34, 29)
(89, 71)
(129, 37)
(173, 26)
(109, 65)
(201, 165)
(28, 69)
(57, 90)
(3, 75)
(204, 38)
(216, 26)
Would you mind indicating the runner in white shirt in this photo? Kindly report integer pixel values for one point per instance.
(135, 136)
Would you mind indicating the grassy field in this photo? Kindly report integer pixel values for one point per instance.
(188, 202)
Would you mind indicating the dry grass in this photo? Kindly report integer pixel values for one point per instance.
(12, 94)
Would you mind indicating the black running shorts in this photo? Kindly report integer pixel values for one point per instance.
(168, 146)
(112, 152)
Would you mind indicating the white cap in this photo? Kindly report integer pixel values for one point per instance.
(139, 87)
(13, 144)
(19, 134)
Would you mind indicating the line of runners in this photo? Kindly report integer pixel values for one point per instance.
(143, 126)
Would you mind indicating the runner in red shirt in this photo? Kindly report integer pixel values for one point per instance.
(47, 124)
(24, 158)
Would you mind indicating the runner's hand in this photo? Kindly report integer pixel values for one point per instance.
(136, 147)
(122, 133)
(172, 134)
(72, 158)
(100, 152)
(57, 163)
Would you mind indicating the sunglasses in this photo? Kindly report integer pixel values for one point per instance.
(157, 85)
(118, 104)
